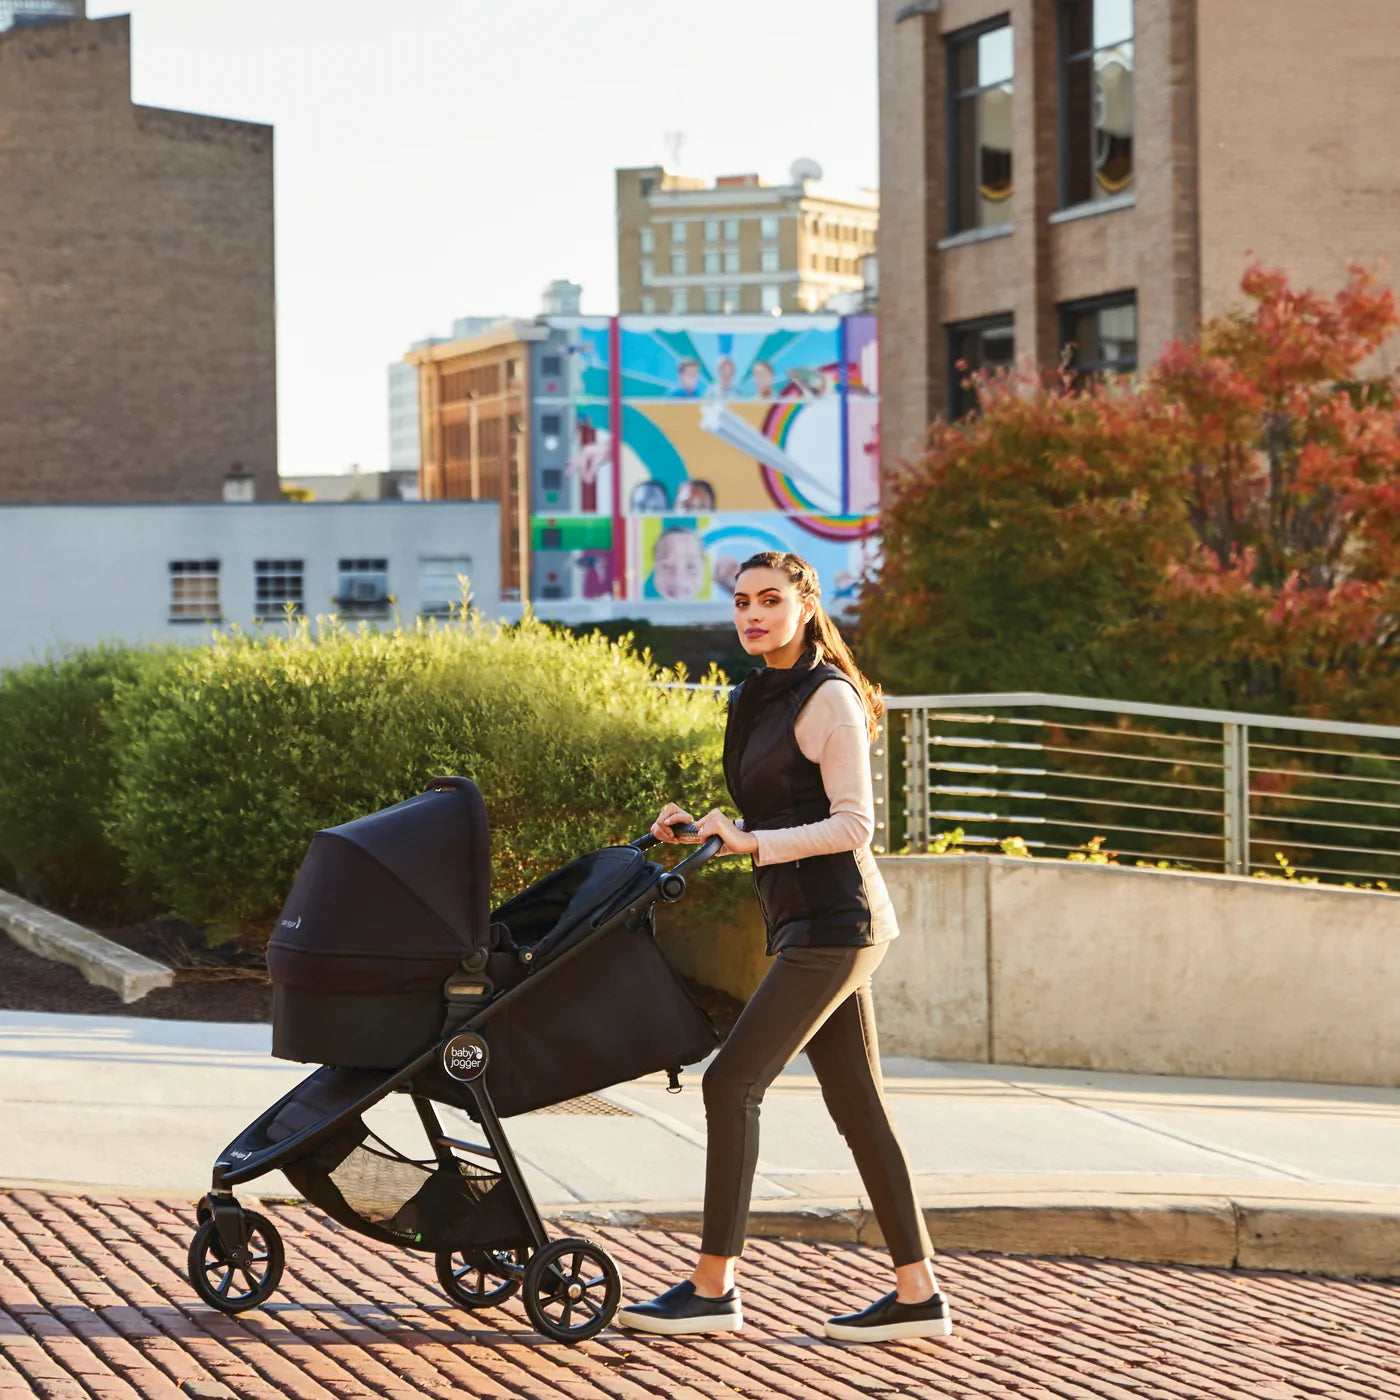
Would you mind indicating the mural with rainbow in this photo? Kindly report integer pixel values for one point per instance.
(738, 434)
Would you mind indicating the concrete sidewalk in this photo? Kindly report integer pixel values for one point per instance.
(1292, 1176)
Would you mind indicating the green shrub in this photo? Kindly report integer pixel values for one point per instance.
(56, 779)
(235, 754)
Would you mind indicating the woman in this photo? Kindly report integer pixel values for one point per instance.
(797, 764)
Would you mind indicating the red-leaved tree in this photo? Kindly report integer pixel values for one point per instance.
(1224, 530)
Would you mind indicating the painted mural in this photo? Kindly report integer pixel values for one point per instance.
(737, 434)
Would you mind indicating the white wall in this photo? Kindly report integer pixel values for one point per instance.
(74, 574)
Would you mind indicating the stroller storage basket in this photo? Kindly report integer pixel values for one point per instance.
(361, 1181)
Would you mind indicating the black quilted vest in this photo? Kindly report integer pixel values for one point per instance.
(828, 901)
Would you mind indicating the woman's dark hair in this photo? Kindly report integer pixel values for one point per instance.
(821, 630)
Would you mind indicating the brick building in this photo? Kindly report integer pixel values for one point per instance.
(473, 399)
(738, 245)
(1095, 173)
(137, 314)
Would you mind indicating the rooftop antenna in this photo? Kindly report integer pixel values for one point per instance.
(675, 144)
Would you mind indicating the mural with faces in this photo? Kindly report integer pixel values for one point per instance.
(723, 416)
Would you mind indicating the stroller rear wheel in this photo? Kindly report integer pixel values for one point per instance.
(235, 1286)
(480, 1278)
(572, 1289)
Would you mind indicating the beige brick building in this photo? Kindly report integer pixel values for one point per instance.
(473, 403)
(1096, 173)
(137, 312)
(738, 245)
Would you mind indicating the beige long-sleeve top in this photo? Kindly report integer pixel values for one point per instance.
(832, 732)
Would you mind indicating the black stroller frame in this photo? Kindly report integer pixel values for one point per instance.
(470, 1205)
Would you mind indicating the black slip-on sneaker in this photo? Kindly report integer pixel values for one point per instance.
(889, 1320)
(681, 1311)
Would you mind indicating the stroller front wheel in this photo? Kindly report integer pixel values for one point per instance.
(480, 1278)
(572, 1289)
(235, 1286)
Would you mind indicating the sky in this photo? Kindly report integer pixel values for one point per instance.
(443, 158)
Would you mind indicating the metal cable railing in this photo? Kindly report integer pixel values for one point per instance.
(1192, 788)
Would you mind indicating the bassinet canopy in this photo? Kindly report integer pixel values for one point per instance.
(392, 902)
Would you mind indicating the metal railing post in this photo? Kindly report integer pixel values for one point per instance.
(1236, 785)
(916, 815)
(880, 786)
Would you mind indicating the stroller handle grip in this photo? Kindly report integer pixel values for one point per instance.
(645, 843)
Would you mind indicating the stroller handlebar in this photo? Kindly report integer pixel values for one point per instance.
(645, 843)
(673, 883)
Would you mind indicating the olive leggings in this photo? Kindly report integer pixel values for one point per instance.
(817, 999)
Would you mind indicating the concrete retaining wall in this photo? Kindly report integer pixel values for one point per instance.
(1039, 962)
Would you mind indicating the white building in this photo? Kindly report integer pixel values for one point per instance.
(405, 453)
(80, 574)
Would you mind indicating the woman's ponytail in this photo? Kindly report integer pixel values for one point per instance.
(821, 630)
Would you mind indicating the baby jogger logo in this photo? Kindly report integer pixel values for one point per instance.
(464, 1057)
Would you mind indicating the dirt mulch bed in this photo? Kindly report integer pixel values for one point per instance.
(211, 984)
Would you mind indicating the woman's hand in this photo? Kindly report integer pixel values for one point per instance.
(661, 827)
(737, 841)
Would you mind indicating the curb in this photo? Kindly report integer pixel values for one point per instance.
(1342, 1239)
(1336, 1239)
(102, 962)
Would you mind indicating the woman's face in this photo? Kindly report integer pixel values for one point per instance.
(768, 612)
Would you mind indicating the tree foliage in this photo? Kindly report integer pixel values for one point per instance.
(1224, 530)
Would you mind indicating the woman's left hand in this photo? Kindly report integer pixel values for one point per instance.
(737, 841)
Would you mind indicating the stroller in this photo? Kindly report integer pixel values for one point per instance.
(391, 973)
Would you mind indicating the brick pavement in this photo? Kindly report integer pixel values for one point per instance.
(94, 1305)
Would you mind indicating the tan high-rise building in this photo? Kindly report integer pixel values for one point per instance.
(738, 245)
(138, 351)
(1090, 177)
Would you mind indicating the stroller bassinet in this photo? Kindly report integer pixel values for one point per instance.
(390, 971)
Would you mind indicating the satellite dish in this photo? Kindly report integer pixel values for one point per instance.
(805, 168)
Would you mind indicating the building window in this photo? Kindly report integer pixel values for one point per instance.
(278, 584)
(768, 260)
(772, 299)
(731, 299)
(714, 299)
(1100, 336)
(1096, 100)
(731, 230)
(731, 260)
(648, 271)
(712, 264)
(979, 84)
(194, 590)
(648, 237)
(711, 230)
(680, 302)
(551, 366)
(768, 228)
(972, 346)
(648, 306)
(363, 589)
(677, 264)
(443, 585)
(679, 232)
